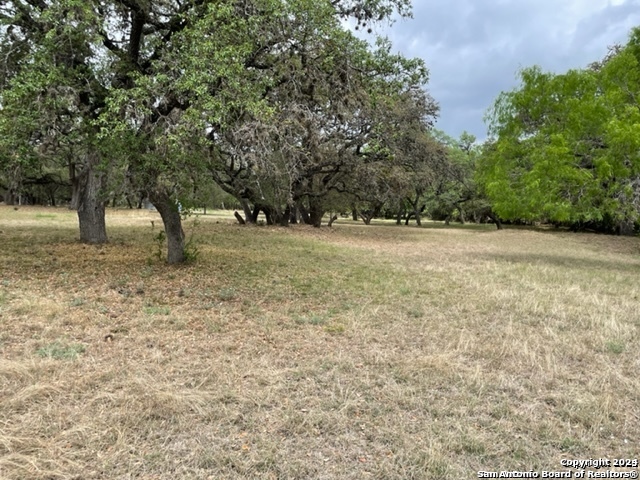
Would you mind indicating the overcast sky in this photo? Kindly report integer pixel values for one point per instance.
(474, 48)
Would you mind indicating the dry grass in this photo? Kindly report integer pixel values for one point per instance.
(357, 352)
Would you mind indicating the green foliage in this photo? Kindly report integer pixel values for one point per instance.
(157, 310)
(325, 100)
(227, 294)
(47, 91)
(78, 302)
(191, 250)
(159, 240)
(457, 196)
(401, 160)
(615, 346)
(565, 147)
(335, 328)
(275, 100)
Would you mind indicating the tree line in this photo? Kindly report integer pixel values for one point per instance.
(278, 106)
(275, 102)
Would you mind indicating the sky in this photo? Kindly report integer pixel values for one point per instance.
(475, 48)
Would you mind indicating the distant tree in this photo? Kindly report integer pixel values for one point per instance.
(398, 155)
(457, 195)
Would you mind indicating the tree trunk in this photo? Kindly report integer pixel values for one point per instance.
(304, 214)
(170, 214)
(626, 228)
(87, 187)
(354, 214)
(248, 214)
(418, 220)
(367, 216)
(239, 218)
(315, 214)
(416, 210)
(410, 214)
(497, 221)
(10, 197)
(268, 215)
(293, 216)
(284, 218)
(254, 214)
(399, 217)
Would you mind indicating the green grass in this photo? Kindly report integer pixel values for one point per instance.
(345, 353)
(78, 302)
(615, 346)
(61, 351)
(45, 215)
(157, 310)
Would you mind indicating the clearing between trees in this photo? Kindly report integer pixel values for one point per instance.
(345, 353)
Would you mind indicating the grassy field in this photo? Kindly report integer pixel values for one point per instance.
(354, 352)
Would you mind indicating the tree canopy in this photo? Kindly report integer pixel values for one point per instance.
(564, 147)
(281, 107)
(274, 100)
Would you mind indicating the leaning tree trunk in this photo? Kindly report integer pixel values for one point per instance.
(248, 214)
(407, 218)
(415, 204)
(367, 216)
(87, 189)
(239, 218)
(496, 220)
(170, 214)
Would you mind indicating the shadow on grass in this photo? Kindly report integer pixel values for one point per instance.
(426, 224)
